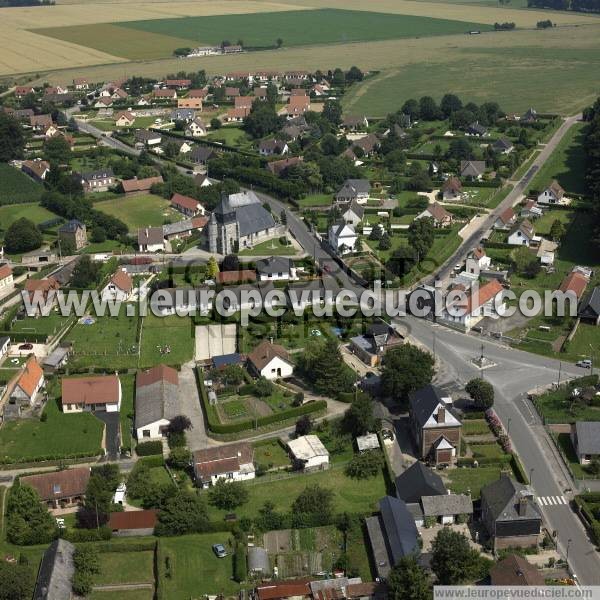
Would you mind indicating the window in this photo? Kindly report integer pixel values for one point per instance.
(146, 433)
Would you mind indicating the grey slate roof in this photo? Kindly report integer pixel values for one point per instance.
(56, 572)
(71, 226)
(201, 154)
(356, 208)
(150, 235)
(253, 218)
(274, 264)
(155, 402)
(590, 304)
(424, 401)
(472, 168)
(354, 187)
(588, 437)
(54, 359)
(502, 144)
(399, 525)
(502, 498)
(447, 505)
(178, 227)
(418, 481)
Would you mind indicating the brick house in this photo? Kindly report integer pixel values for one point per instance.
(74, 232)
(435, 428)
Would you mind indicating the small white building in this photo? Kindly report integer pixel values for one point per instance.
(120, 494)
(91, 394)
(309, 451)
(553, 194)
(27, 383)
(276, 268)
(270, 361)
(233, 462)
(477, 261)
(119, 287)
(522, 234)
(367, 442)
(342, 238)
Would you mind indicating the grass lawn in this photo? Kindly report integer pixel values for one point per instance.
(167, 340)
(15, 186)
(108, 246)
(486, 450)
(49, 325)
(147, 594)
(125, 567)
(556, 407)
(145, 210)
(475, 427)
(230, 136)
(195, 569)
(127, 409)
(271, 453)
(315, 200)
(564, 442)
(479, 196)
(567, 164)
(467, 479)
(349, 494)
(60, 435)
(109, 342)
(13, 212)
(270, 248)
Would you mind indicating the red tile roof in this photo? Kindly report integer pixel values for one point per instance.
(184, 201)
(30, 377)
(59, 484)
(5, 271)
(284, 590)
(103, 389)
(140, 185)
(155, 374)
(507, 215)
(133, 519)
(235, 276)
(478, 298)
(574, 282)
(262, 355)
(515, 570)
(122, 280)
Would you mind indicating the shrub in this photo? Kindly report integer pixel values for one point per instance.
(239, 563)
(149, 448)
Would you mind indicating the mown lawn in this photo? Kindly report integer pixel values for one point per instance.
(270, 248)
(271, 453)
(145, 594)
(471, 480)
(59, 436)
(168, 340)
(475, 427)
(15, 187)
(125, 567)
(13, 212)
(315, 200)
(145, 210)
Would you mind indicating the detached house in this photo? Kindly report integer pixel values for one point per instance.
(147, 138)
(353, 214)
(124, 119)
(73, 232)
(97, 181)
(27, 384)
(503, 146)
(151, 239)
(36, 169)
(91, 394)
(190, 207)
(165, 94)
(119, 287)
(506, 219)
(371, 346)
(472, 169)
(233, 462)
(342, 238)
(522, 234)
(156, 394)
(196, 128)
(452, 189)
(553, 194)
(510, 514)
(270, 147)
(441, 217)
(60, 489)
(479, 302)
(355, 123)
(476, 129)
(477, 261)
(354, 189)
(436, 429)
(276, 268)
(271, 361)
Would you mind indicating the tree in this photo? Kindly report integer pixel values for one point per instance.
(323, 365)
(22, 236)
(406, 369)
(365, 465)
(428, 109)
(402, 260)
(452, 559)
(86, 273)
(557, 230)
(28, 520)
(460, 149)
(304, 426)
(359, 418)
(212, 268)
(262, 387)
(180, 424)
(229, 375)
(408, 581)
(97, 237)
(332, 112)
(532, 269)
(376, 233)
(57, 150)
(215, 123)
(385, 243)
(16, 581)
(421, 234)
(180, 458)
(262, 120)
(481, 392)
(231, 263)
(12, 141)
(411, 108)
(269, 519)
(279, 42)
(314, 500)
(185, 512)
(450, 104)
(354, 74)
(228, 495)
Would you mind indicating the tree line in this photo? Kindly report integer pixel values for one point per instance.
(574, 5)
(592, 170)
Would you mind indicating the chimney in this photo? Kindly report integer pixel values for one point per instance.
(522, 507)
(441, 414)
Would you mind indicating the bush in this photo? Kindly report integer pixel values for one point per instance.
(239, 563)
(149, 448)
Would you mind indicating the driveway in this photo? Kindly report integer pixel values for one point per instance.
(112, 434)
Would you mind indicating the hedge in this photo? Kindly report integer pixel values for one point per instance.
(472, 415)
(114, 547)
(519, 469)
(239, 563)
(485, 460)
(87, 535)
(157, 460)
(217, 427)
(149, 448)
(6, 460)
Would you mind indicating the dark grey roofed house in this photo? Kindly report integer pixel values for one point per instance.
(200, 155)
(393, 534)
(477, 129)
(150, 236)
(56, 571)
(144, 136)
(353, 189)
(353, 213)
(472, 168)
(589, 307)
(418, 481)
(447, 505)
(274, 264)
(424, 401)
(585, 436)
(183, 114)
(71, 226)
(502, 145)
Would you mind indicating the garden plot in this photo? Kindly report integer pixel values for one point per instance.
(215, 340)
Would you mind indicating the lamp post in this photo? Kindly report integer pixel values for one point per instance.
(508, 426)
(531, 471)
(568, 548)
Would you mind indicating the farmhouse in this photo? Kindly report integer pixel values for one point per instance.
(59, 489)
(239, 221)
(200, 155)
(95, 394)
(73, 232)
(354, 189)
(237, 114)
(243, 101)
(40, 122)
(355, 123)
(190, 207)
(342, 237)
(119, 287)
(156, 401)
(28, 383)
(270, 360)
(367, 144)
(136, 186)
(81, 83)
(297, 105)
(178, 84)
(97, 181)
(22, 90)
(309, 452)
(233, 462)
(553, 194)
(585, 437)
(150, 239)
(441, 217)
(510, 514)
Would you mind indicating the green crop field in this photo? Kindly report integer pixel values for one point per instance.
(17, 187)
(145, 210)
(159, 37)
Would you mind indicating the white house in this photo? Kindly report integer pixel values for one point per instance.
(28, 383)
(91, 394)
(522, 234)
(310, 452)
(119, 287)
(553, 194)
(505, 219)
(196, 128)
(342, 237)
(233, 462)
(466, 312)
(585, 437)
(7, 283)
(156, 401)
(477, 261)
(271, 361)
(4, 345)
(354, 213)
(151, 239)
(276, 268)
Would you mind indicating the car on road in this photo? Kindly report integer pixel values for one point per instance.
(219, 550)
(27, 346)
(586, 363)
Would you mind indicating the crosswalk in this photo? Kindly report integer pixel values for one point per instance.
(551, 500)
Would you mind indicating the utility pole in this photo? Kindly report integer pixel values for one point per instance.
(559, 372)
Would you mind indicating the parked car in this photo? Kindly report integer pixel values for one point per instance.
(586, 363)
(27, 346)
(219, 550)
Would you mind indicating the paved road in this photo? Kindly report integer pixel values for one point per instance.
(513, 197)
(514, 374)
